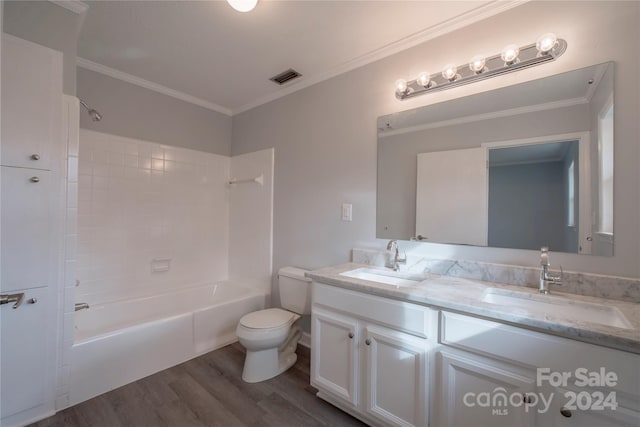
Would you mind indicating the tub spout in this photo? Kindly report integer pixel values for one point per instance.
(81, 306)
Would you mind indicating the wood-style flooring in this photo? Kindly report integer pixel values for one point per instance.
(209, 391)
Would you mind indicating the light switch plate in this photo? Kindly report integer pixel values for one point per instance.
(347, 212)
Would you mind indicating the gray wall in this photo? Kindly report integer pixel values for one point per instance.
(135, 112)
(50, 25)
(526, 206)
(325, 135)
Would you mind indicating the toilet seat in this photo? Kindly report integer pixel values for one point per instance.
(271, 318)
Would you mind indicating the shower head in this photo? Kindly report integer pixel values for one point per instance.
(95, 116)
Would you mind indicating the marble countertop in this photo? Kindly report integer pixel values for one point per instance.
(466, 295)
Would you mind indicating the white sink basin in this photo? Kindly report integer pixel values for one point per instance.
(381, 276)
(558, 307)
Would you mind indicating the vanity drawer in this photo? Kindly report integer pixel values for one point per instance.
(535, 349)
(410, 318)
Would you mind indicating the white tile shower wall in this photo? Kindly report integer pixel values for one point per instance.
(251, 220)
(140, 202)
(71, 116)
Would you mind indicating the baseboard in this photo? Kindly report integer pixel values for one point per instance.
(305, 340)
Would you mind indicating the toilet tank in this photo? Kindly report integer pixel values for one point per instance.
(295, 290)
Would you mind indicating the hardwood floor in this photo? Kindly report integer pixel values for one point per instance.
(209, 391)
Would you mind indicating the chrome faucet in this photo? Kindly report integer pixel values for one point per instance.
(81, 306)
(397, 260)
(547, 278)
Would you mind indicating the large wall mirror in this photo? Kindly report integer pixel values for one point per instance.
(520, 167)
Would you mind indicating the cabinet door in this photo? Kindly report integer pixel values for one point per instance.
(334, 354)
(396, 377)
(24, 358)
(476, 393)
(31, 102)
(27, 225)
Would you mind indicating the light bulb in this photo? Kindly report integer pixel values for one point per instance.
(477, 64)
(243, 5)
(424, 79)
(546, 42)
(450, 72)
(510, 53)
(401, 87)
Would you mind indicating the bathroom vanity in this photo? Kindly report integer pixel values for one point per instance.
(443, 351)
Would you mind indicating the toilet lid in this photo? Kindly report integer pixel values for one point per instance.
(264, 319)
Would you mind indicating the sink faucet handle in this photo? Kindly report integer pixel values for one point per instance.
(544, 255)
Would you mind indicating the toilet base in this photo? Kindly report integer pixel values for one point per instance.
(266, 364)
(261, 365)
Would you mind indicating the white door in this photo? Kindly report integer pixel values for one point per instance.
(24, 356)
(334, 355)
(465, 384)
(31, 97)
(396, 377)
(452, 198)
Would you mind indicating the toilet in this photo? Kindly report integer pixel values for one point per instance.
(270, 335)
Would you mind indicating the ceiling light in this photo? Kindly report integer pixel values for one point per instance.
(243, 5)
(547, 48)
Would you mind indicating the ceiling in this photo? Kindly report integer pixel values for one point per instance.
(205, 51)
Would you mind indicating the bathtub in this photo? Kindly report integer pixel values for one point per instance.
(122, 341)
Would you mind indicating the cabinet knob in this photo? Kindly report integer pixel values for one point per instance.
(32, 300)
(367, 341)
(565, 412)
(35, 179)
(35, 157)
(351, 335)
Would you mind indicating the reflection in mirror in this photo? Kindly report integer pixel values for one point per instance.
(520, 167)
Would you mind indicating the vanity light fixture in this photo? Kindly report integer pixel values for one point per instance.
(477, 64)
(512, 58)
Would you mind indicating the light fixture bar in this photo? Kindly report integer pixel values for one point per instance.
(528, 56)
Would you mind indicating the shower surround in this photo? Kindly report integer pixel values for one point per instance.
(158, 228)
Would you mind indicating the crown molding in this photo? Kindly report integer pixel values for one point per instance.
(482, 12)
(129, 78)
(75, 6)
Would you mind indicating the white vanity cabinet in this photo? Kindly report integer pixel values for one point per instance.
(370, 355)
(477, 356)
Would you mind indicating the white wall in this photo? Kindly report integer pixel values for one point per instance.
(251, 219)
(139, 201)
(325, 135)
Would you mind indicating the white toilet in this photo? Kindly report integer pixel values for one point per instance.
(270, 335)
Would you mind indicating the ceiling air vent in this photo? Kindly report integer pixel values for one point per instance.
(285, 76)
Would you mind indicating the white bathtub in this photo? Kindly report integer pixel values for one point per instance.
(122, 341)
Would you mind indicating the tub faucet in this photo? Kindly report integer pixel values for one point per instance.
(395, 262)
(547, 278)
(81, 306)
